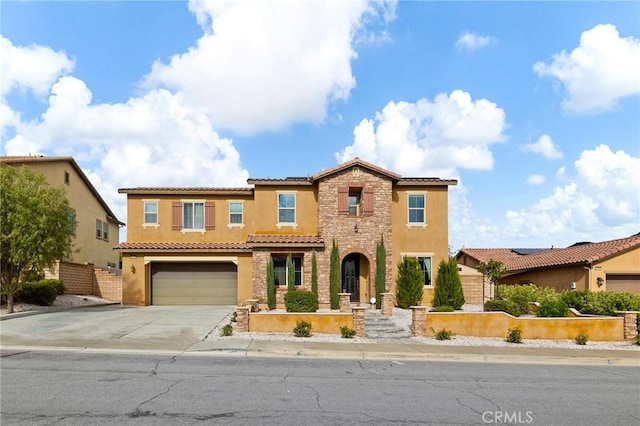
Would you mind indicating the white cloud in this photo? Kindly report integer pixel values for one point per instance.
(265, 65)
(601, 70)
(470, 41)
(536, 179)
(430, 138)
(544, 146)
(603, 197)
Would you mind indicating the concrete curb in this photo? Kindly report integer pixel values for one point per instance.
(53, 309)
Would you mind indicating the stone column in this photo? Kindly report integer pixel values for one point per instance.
(345, 302)
(253, 304)
(387, 304)
(242, 318)
(358, 320)
(419, 321)
(630, 323)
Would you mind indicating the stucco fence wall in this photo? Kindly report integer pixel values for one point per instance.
(328, 323)
(497, 324)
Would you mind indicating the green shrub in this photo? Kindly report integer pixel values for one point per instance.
(442, 334)
(58, 285)
(601, 302)
(581, 339)
(530, 292)
(301, 301)
(552, 308)
(271, 285)
(227, 330)
(448, 286)
(444, 308)
(410, 283)
(347, 333)
(302, 329)
(41, 293)
(507, 306)
(638, 339)
(522, 303)
(514, 335)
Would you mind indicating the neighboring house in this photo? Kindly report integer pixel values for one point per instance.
(212, 245)
(96, 232)
(609, 265)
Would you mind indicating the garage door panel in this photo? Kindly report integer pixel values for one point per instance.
(193, 284)
(623, 283)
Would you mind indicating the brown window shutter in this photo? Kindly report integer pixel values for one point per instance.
(209, 215)
(176, 212)
(343, 200)
(367, 201)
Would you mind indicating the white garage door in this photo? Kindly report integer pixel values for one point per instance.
(194, 284)
(624, 282)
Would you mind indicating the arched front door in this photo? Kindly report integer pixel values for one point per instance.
(351, 276)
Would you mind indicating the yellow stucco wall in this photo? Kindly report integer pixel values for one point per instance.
(328, 323)
(558, 278)
(497, 324)
(266, 210)
(87, 248)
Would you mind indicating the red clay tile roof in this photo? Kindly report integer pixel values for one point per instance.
(290, 181)
(258, 240)
(586, 253)
(183, 247)
(25, 159)
(187, 190)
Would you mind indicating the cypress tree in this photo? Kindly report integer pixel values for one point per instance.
(314, 273)
(291, 275)
(334, 277)
(410, 282)
(381, 271)
(448, 290)
(271, 285)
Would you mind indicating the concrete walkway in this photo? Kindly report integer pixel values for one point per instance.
(183, 330)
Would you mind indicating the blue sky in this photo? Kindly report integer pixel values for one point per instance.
(533, 106)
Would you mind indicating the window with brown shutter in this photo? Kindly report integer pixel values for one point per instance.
(343, 200)
(176, 213)
(367, 201)
(209, 215)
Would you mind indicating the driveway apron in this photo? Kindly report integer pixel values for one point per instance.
(117, 327)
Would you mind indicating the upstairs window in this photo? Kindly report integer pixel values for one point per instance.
(98, 228)
(280, 269)
(193, 215)
(355, 200)
(354, 203)
(286, 207)
(235, 213)
(416, 208)
(66, 177)
(105, 231)
(150, 212)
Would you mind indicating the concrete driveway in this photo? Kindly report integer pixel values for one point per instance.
(152, 328)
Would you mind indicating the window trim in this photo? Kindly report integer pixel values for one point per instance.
(293, 224)
(236, 225)
(146, 224)
(422, 254)
(422, 224)
(105, 231)
(98, 229)
(67, 178)
(204, 219)
(286, 275)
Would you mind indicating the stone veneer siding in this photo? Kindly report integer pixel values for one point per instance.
(332, 224)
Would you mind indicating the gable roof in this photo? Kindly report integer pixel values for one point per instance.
(27, 159)
(577, 254)
(356, 162)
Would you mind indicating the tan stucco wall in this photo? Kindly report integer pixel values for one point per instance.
(497, 324)
(624, 263)
(87, 248)
(266, 210)
(328, 323)
(558, 278)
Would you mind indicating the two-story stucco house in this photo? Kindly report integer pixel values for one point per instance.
(212, 245)
(97, 229)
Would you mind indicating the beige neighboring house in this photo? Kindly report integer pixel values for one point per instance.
(199, 245)
(612, 265)
(97, 229)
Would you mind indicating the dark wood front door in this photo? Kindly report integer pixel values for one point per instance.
(350, 276)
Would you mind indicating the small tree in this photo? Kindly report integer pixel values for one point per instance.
(36, 227)
(334, 277)
(291, 275)
(493, 270)
(381, 271)
(314, 273)
(448, 290)
(271, 285)
(410, 283)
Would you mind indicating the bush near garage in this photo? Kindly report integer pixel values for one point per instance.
(553, 308)
(508, 306)
(301, 301)
(41, 293)
(601, 302)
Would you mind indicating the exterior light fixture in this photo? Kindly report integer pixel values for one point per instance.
(133, 269)
(355, 228)
(600, 281)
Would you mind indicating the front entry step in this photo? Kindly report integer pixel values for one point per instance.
(379, 327)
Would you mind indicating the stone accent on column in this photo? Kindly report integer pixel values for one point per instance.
(253, 304)
(387, 304)
(345, 302)
(358, 320)
(630, 323)
(242, 318)
(419, 321)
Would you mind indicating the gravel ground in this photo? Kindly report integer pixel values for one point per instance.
(61, 301)
(402, 318)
